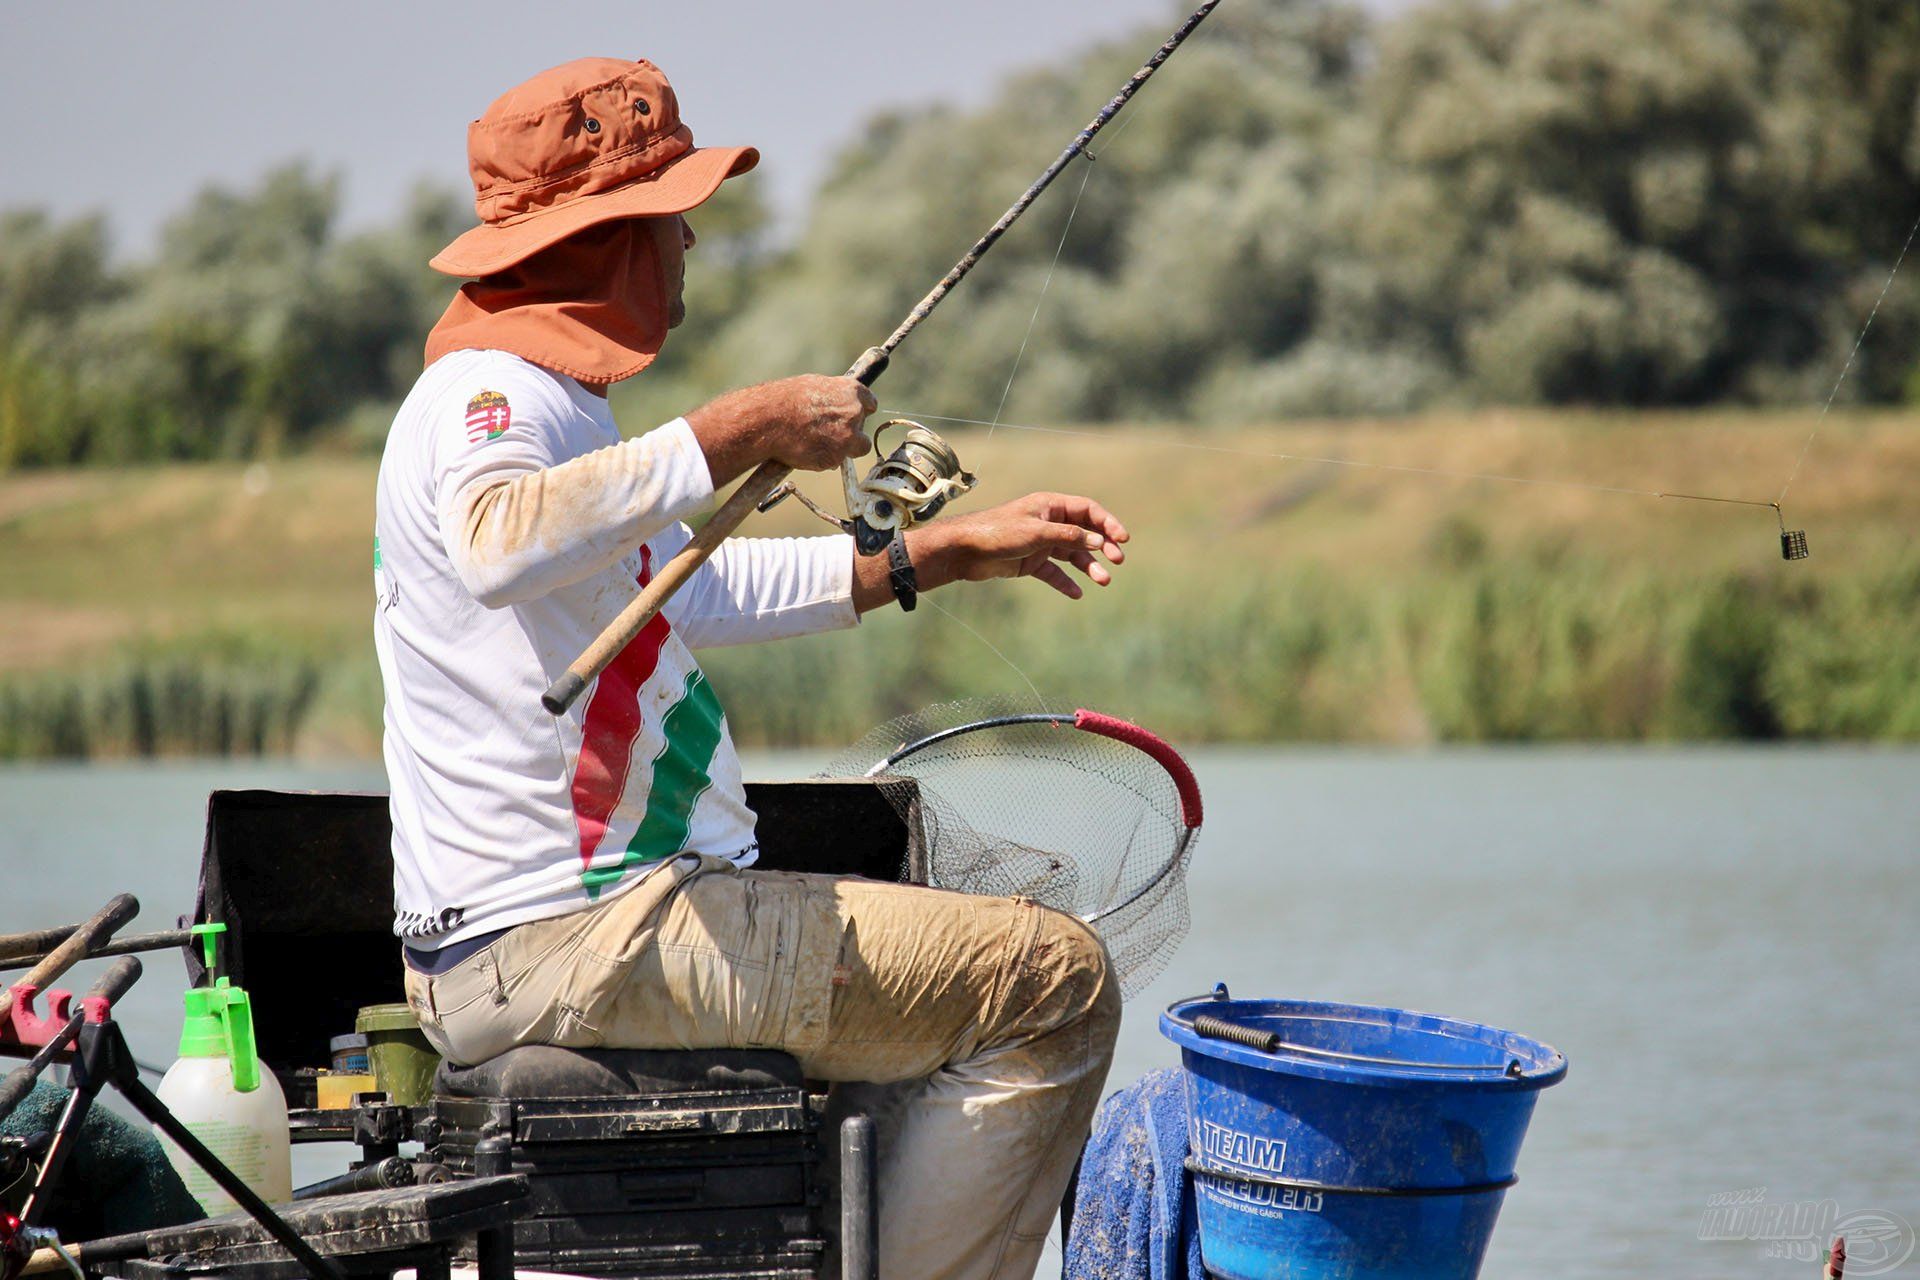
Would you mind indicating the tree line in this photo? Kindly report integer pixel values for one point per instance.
(1312, 211)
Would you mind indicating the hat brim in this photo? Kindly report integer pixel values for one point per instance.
(675, 187)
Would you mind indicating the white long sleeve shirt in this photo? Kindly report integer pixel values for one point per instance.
(512, 524)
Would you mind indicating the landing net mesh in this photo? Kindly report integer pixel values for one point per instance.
(1073, 820)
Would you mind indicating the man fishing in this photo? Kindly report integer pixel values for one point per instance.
(586, 881)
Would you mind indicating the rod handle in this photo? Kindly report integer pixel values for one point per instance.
(565, 691)
(673, 575)
(872, 363)
(78, 943)
(165, 940)
(45, 1261)
(116, 981)
(15, 1088)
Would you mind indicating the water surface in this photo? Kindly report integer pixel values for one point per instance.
(1723, 942)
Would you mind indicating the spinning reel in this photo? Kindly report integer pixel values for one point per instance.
(909, 485)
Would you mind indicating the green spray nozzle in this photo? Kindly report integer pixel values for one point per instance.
(220, 1019)
(208, 936)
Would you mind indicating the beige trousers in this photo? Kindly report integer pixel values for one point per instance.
(1002, 1012)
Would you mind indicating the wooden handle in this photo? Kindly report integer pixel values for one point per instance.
(672, 575)
(756, 489)
(44, 1261)
(77, 945)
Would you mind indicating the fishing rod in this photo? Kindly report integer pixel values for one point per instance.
(21, 950)
(912, 483)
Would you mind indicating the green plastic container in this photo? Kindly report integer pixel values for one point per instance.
(403, 1062)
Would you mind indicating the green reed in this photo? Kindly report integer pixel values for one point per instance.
(1526, 649)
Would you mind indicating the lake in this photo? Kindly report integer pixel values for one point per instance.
(1724, 942)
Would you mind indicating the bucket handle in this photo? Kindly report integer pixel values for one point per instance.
(1195, 1165)
(1214, 1027)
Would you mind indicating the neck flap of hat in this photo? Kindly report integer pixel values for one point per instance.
(594, 307)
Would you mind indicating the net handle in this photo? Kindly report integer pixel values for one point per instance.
(997, 722)
(1152, 745)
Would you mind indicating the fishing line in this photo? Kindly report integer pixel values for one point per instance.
(1046, 284)
(996, 651)
(1405, 468)
(1014, 372)
(1793, 542)
(1847, 367)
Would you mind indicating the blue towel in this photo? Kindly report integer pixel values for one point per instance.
(1133, 1218)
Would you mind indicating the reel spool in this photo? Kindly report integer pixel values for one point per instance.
(911, 484)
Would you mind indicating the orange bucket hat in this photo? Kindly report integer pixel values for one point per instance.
(584, 143)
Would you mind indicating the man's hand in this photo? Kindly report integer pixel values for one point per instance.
(809, 423)
(1030, 537)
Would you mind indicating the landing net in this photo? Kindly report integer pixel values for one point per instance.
(1079, 811)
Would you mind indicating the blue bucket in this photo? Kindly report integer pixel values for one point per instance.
(1354, 1142)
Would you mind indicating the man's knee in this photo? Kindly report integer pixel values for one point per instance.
(1075, 959)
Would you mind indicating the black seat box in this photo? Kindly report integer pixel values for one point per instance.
(694, 1165)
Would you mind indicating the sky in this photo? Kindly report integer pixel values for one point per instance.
(130, 108)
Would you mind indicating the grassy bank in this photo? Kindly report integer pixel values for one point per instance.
(211, 609)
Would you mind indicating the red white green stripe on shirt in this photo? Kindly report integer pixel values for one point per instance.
(682, 768)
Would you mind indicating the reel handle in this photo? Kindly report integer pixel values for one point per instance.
(866, 370)
(754, 490)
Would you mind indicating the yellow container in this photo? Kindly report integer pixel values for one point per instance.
(335, 1089)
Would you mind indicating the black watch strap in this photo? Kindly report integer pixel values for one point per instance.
(900, 575)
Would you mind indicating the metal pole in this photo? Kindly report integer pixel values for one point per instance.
(859, 1216)
(769, 476)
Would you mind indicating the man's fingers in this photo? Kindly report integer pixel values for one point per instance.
(1063, 539)
(1085, 511)
(1089, 515)
(1085, 563)
(869, 404)
(1056, 577)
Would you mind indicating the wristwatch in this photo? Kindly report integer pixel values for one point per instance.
(900, 575)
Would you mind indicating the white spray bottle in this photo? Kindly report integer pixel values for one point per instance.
(225, 1096)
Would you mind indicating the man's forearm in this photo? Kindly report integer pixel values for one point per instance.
(809, 422)
(735, 430)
